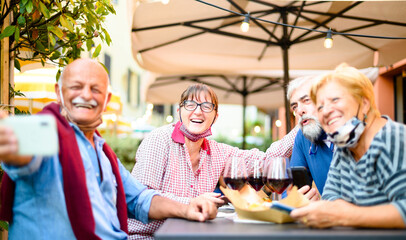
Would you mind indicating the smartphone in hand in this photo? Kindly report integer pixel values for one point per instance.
(36, 134)
(301, 177)
(282, 207)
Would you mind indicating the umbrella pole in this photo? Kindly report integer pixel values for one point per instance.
(285, 87)
(285, 46)
(244, 107)
(244, 130)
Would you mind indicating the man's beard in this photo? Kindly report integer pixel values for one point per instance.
(312, 130)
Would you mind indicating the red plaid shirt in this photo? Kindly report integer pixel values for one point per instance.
(163, 163)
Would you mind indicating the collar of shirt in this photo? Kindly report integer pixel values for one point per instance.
(178, 137)
(99, 141)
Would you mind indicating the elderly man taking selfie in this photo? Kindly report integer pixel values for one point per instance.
(84, 192)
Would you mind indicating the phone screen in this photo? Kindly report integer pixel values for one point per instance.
(36, 134)
(301, 176)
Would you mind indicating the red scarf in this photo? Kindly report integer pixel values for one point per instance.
(76, 195)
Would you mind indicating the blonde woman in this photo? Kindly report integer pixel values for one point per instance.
(366, 183)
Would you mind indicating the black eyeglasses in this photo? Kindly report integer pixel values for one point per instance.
(191, 105)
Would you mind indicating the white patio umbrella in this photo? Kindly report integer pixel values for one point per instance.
(191, 37)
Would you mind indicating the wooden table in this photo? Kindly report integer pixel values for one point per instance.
(223, 228)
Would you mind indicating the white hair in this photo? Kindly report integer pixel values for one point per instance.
(296, 83)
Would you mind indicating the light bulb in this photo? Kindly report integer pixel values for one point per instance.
(245, 25)
(165, 2)
(328, 42)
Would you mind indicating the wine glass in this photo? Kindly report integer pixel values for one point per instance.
(268, 190)
(235, 173)
(279, 175)
(255, 175)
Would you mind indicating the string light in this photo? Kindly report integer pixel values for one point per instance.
(328, 42)
(298, 27)
(245, 25)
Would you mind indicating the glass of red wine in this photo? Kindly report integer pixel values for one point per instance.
(255, 174)
(278, 176)
(266, 189)
(235, 173)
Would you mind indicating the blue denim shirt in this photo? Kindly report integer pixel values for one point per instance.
(39, 210)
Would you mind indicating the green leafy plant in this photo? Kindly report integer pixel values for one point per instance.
(125, 149)
(54, 31)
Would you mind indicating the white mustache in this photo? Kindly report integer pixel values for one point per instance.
(306, 117)
(80, 100)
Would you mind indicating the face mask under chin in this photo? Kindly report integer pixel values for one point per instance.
(348, 135)
(83, 126)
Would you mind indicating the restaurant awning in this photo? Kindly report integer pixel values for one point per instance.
(189, 37)
(204, 37)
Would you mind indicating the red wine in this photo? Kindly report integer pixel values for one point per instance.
(255, 183)
(270, 188)
(235, 183)
(279, 185)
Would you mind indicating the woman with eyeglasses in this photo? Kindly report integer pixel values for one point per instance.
(366, 183)
(180, 162)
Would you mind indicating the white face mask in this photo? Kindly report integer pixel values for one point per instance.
(60, 93)
(80, 100)
(347, 136)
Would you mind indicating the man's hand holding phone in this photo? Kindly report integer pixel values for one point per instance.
(9, 145)
(302, 179)
(310, 193)
(22, 137)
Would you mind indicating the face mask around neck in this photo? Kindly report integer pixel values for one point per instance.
(65, 112)
(348, 135)
(192, 136)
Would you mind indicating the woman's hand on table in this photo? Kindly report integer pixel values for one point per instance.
(323, 214)
(215, 198)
